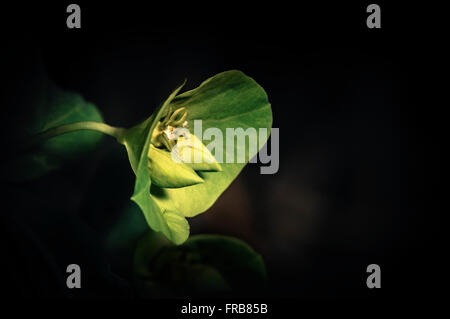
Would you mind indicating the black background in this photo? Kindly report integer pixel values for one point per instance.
(350, 188)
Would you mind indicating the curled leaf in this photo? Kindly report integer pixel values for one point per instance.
(137, 143)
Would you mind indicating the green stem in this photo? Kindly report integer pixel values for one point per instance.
(116, 132)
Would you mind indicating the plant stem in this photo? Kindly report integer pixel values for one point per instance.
(116, 132)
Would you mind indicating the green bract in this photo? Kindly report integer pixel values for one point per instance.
(167, 192)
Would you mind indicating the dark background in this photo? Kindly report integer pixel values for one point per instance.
(349, 191)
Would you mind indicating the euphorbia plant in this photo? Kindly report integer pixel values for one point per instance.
(167, 191)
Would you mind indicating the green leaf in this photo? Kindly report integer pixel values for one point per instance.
(127, 229)
(205, 265)
(228, 100)
(57, 107)
(137, 143)
(235, 260)
(170, 193)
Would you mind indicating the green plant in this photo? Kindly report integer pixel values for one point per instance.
(167, 192)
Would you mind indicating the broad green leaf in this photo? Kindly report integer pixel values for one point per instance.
(55, 108)
(228, 100)
(169, 193)
(205, 265)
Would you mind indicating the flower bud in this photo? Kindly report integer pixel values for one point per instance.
(164, 172)
(195, 154)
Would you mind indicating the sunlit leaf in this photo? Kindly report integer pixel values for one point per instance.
(228, 100)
